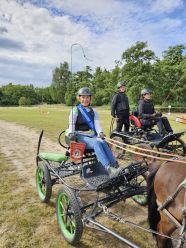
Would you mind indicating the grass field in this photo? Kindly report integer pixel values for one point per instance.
(54, 119)
(25, 222)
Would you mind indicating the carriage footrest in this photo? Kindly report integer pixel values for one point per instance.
(56, 157)
(62, 172)
(94, 174)
(95, 181)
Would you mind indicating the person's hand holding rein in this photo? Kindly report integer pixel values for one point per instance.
(72, 137)
(102, 135)
(158, 114)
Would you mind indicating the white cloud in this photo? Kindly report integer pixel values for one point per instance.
(166, 5)
(33, 38)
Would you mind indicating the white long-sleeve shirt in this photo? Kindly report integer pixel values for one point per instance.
(73, 119)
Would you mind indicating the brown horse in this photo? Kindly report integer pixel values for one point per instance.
(163, 182)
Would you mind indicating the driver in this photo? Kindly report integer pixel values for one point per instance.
(149, 117)
(84, 126)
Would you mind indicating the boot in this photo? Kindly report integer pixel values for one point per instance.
(115, 165)
(113, 172)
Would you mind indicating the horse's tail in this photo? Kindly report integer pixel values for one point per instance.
(153, 214)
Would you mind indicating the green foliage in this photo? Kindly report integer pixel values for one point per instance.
(23, 101)
(43, 95)
(174, 54)
(138, 70)
(60, 80)
(12, 93)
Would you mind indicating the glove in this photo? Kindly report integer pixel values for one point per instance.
(153, 115)
(158, 114)
(72, 137)
(102, 135)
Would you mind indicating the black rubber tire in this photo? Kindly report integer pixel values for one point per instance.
(141, 199)
(117, 152)
(181, 150)
(69, 215)
(43, 182)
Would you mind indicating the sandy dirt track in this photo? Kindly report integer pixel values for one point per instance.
(19, 146)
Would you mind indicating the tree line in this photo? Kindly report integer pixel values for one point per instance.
(139, 67)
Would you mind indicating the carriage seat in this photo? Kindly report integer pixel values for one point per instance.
(136, 122)
(55, 157)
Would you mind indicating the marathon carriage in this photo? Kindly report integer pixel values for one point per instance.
(86, 175)
(147, 138)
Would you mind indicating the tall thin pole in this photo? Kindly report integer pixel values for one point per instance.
(75, 44)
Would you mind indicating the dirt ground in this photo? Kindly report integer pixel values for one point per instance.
(18, 144)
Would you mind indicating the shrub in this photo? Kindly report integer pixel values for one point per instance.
(23, 101)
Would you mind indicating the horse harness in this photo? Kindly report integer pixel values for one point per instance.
(162, 207)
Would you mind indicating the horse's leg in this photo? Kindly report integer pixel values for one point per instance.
(167, 228)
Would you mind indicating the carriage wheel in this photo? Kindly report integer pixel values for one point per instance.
(138, 157)
(69, 215)
(141, 181)
(118, 152)
(177, 146)
(43, 183)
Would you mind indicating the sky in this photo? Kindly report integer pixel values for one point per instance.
(37, 35)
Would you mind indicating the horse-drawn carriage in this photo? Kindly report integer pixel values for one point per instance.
(147, 138)
(72, 212)
(79, 172)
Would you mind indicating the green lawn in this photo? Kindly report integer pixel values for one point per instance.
(53, 119)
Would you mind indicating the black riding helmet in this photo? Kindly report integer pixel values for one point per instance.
(121, 83)
(146, 91)
(85, 91)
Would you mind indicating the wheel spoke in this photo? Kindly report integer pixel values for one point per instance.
(63, 214)
(41, 173)
(63, 208)
(71, 224)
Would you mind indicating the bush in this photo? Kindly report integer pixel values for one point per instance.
(23, 101)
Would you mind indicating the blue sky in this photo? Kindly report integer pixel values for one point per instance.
(36, 36)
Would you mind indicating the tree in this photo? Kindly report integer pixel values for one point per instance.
(43, 95)
(60, 80)
(138, 69)
(173, 55)
(172, 69)
(12, 93)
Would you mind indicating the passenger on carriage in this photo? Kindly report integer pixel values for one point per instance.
(120, 107)
(149, 117)
(84, 126)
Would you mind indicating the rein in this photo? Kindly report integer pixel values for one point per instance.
(140, 148)
(110, 141)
